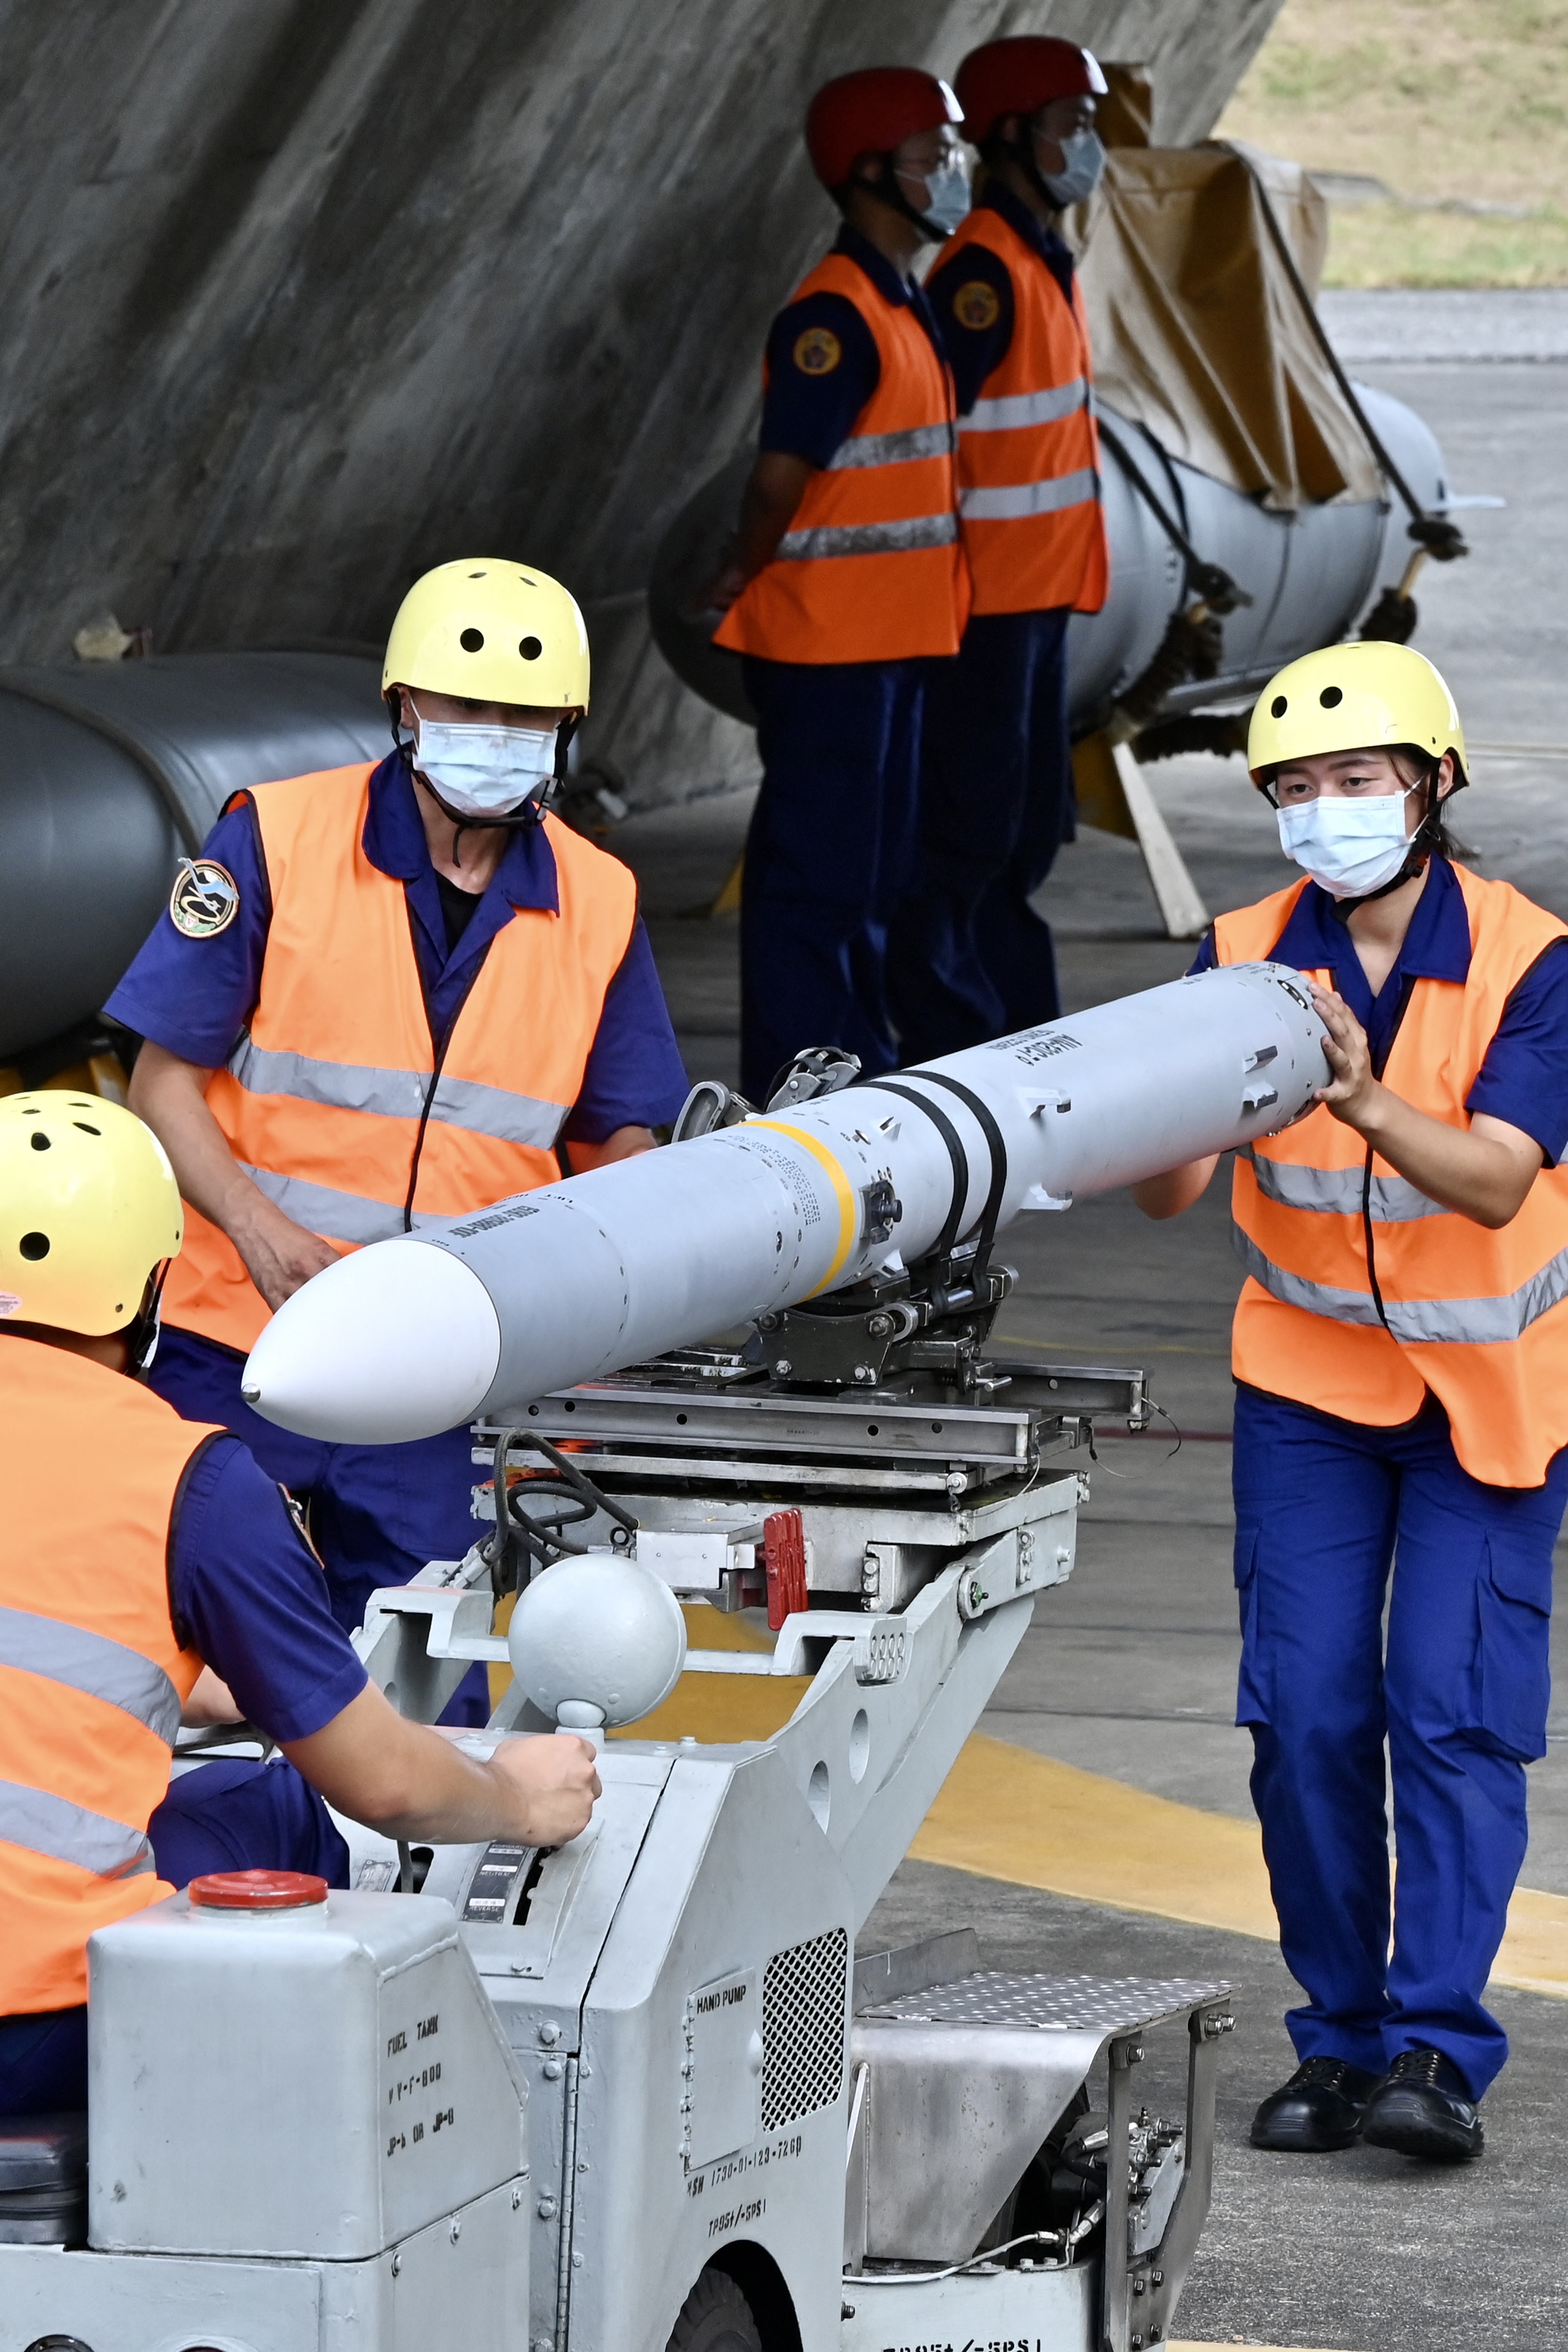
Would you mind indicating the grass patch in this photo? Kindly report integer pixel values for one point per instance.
(1399, 244)
(1440, 100)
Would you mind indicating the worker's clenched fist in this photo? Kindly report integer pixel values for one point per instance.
(552, 1781)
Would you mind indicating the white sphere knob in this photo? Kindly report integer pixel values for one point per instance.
(597, 1640)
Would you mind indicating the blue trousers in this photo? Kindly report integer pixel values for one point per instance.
(221, 1816)
(970, 960)
(376, 1513)
(1334, 1525)
(827, 858)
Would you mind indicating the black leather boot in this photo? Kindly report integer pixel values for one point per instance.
(1320, 2109)
(1423, 2107)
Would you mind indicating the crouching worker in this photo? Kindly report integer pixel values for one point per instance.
(1401, 1361)
(147, 1555)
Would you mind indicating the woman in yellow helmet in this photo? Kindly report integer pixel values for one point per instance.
(1399, 1349)
(381, 998)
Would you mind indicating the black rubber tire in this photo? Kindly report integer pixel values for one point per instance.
(715, 2317)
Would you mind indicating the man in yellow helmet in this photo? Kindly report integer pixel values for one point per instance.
(380, 999)
(146, 1555)
(1401, 1444)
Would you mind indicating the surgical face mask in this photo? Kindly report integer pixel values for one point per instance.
(1084, 158)
(946, 193)
(1350, 847)
(484, 772)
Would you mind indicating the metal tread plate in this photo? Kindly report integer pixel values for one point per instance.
(1043, 2004)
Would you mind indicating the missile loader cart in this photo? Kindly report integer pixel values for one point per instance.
(639, 2091)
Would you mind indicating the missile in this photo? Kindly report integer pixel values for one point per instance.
(481, 1314)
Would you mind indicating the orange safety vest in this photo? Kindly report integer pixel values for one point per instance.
(1361, 1293)
(92, 1677)
(1029, 455)
(336, 1101)
(870, 568)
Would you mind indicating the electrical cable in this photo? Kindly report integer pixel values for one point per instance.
(541, 1540)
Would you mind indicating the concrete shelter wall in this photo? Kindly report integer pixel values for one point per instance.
(299, 297)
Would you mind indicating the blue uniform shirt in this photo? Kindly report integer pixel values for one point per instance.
(248, 1594)
(1524, 1078)
(195, 997)
(823, 362)
(976, 334)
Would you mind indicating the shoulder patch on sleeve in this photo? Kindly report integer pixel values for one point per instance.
(977, 305)
(817, 351)
(204, 900)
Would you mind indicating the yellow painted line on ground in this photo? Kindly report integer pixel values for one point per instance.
(1009, 1814)
(1005, 1813)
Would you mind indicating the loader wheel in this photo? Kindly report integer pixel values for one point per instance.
(714, 2317)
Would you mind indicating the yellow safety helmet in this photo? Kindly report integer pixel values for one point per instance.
(1354, 698)
(493, 631)
(88, 1210)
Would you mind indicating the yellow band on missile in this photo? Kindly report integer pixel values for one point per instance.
(844, 1192)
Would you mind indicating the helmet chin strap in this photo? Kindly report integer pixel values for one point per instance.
(888, 191)
(1022, 151)
(141, 1335)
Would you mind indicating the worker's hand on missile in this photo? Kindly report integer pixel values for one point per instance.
(553, 1779)
(1352, 1093)
(1483, 1172)
(278, 1254)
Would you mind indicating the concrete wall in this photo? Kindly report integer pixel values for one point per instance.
(299, 297)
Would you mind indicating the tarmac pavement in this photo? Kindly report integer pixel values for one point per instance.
(1129, 1671)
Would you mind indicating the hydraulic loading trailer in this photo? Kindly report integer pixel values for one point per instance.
(638, 2091)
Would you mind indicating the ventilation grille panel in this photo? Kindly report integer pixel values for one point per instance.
(803, 2002)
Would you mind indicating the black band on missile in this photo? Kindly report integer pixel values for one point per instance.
(949, 1134)
(986, 1229)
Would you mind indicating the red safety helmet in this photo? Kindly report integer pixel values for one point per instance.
(1022, 75)
(871, 114)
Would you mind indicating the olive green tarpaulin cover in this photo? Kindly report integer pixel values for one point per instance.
(1197, 331)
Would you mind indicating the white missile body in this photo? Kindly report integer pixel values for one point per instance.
(481, 1314)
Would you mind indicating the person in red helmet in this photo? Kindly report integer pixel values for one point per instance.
(973, 960)
(847, 575)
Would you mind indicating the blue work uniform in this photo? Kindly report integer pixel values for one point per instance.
(248, 1595)
(1388, 1598)
(970, 958)
(378, 1513)
(831, 841)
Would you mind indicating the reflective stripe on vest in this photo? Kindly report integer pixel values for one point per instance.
(92, 1675)
(86, 1662)
(1028, 495)
(337, 1216)
(67, 1832)
(1363, 1295)
(336, 1102)
(892, 448)
(870, 568)
(866, 539)
(399, 1094)
(1417, 1322)
(1012, 411)
(1340, 1191)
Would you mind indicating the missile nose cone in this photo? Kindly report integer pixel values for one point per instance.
(398, 1340)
